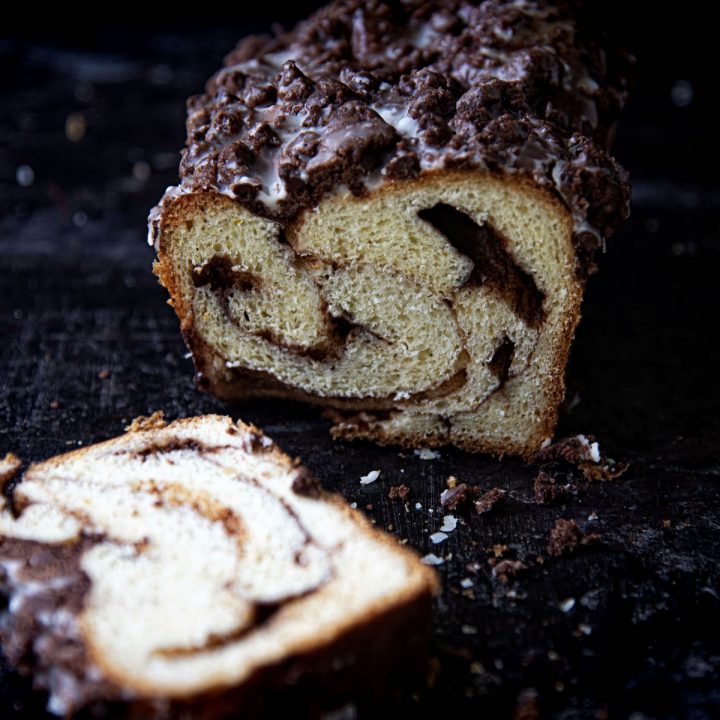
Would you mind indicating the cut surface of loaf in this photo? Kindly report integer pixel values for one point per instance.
(391, 213)
(195, 567)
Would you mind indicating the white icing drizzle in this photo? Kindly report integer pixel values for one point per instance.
(397, 116)
(505, 59)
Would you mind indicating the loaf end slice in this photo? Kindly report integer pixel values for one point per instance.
(195, 569)
(433, 311)
(391, 210)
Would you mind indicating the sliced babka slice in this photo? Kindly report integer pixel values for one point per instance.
(195, 570)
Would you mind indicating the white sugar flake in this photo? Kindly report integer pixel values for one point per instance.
(371, 477)
(449, 523)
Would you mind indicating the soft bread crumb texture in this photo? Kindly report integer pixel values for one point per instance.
(367, 304)
(199, 527)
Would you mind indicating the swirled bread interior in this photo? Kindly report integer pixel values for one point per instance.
(432, 311)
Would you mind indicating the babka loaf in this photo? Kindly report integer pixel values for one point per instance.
(391, 211)
(194, 570)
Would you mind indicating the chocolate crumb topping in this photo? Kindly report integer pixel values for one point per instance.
(364, 92)
(607, 469)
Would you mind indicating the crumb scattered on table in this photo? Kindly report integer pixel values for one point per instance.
(488, 500)
(583, 452)
(456, 497)
(547, 489)
(506, 570)
(156, 421)
(399, 492)
(566, 536)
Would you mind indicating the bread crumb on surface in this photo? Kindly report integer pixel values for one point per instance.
(156, 421)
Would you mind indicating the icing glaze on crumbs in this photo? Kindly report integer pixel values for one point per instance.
(363, 92)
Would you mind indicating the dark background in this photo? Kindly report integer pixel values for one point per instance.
(91, 121)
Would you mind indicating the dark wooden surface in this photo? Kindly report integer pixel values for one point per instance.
(642, 638)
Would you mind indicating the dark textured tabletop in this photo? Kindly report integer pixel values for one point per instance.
(625, 627)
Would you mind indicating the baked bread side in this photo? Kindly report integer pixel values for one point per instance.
(196, 568)
(392, 211)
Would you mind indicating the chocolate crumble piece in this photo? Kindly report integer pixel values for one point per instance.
(566, 536)
(488, 500)
(547, 489)
(606, 470)
(583, 452)
(506, 570)
(399, 492)
(571, 450)
(458, 497)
